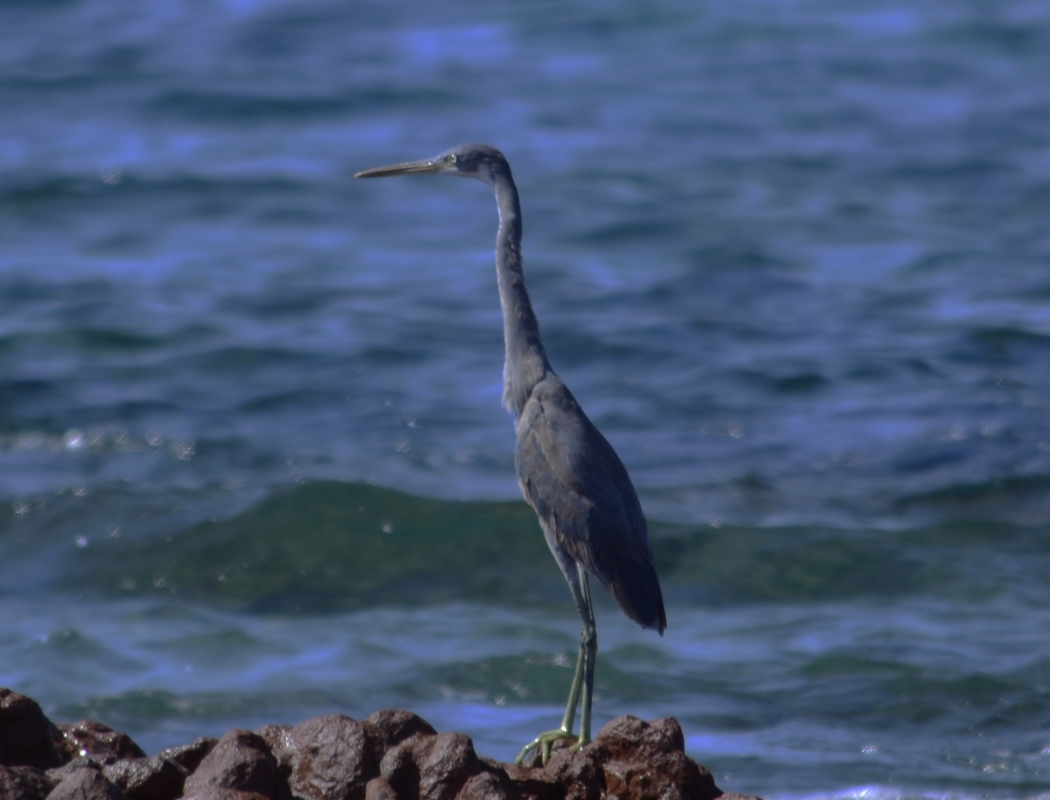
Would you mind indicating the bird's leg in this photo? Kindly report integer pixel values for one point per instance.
(582, 679)
(588, 654)
(574, 694)
(545, 740)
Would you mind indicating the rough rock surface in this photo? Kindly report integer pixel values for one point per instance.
(189, 756)
(240, 762)
(85, 783)
(153, 778)
(29, 783)
(392, 755)
(27, 737)
(96, 741)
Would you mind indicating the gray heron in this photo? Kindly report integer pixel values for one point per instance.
(568, 472)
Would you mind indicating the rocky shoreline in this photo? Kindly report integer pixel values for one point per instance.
(392, 755)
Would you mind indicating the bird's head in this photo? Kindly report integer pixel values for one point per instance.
(466, 160)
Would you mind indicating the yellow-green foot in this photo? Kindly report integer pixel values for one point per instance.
(545, 741)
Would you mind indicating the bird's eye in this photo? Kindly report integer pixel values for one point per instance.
(452, 159)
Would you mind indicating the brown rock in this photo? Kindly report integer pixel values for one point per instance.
(27, 737)
(278, 743)
(392, 726)
(239, 761)
(489, 785)
(59, 774)
(392, 755)
(579, 773)
(85, 783)
(564, 772)
(24, 783)
(628, 759)
(642, 760)
(153, 778)
(398, 768)
(434, 766)
(212, 792)
(96, 741)
(379, 789)
(326, 758)
(445, 764)
(189, 756)
(532, 782)
(277, 740)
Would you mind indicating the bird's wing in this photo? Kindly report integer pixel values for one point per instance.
(577, 484)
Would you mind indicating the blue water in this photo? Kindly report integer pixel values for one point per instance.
(793, 259)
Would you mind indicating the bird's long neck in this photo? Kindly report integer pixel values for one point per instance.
(526, 362)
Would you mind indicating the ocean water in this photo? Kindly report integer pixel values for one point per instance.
(793, 259)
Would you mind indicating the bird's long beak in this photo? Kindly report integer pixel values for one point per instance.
(407, 168)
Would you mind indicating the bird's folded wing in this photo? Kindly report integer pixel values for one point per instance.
(573, 478)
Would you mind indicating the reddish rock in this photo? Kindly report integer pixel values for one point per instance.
(324, 758)
(239, 761)
(85, 783)
(640, 759)
(392, 755)
(579, 773)
(489, 785)
(445, 763)
(391, 726)
(434, 766)
(24, 783)
(27, 737)
(628, 759)
(399, 770)
(96, 741)
(276, 738)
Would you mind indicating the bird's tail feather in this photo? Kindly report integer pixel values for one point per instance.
(636, 590)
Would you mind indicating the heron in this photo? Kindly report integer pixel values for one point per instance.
(568, 472)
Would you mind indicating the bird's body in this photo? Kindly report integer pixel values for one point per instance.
(585, 501)
(568, 472)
